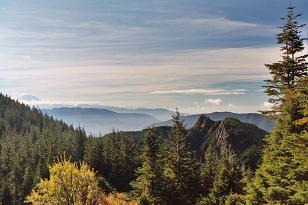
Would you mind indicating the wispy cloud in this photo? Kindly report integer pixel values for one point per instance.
(214, 101)
(203, 91)
(59, 103)
(219, 25)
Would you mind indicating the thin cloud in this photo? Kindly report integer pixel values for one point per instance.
(214, 101)
(58, 103)
(220, 25)
(203, 91)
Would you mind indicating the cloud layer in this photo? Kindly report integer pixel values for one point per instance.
(140, 53)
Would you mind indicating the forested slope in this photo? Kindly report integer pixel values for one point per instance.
(29, 141)
(116, 156)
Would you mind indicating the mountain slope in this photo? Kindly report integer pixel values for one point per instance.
(101, 121)
(29, 141)
(253, 118)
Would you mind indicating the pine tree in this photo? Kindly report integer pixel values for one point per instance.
(6, 199)
(79, 144)
(283, 175)
(122, 161)
(293, 65)
(208, 170)
(181, 169)
(148, 183)
(226, 180)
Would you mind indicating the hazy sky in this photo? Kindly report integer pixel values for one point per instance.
(198, 55)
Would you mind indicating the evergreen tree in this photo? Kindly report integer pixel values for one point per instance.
(121, 155)
(93, 154)
(293, 65)
(208, 170)
(149, 181)
(282, 177)
(226, 180)
(181, 169)
(115, 158)
(79, 144)
(6, 198)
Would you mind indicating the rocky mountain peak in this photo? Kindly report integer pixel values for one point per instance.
(203, 122)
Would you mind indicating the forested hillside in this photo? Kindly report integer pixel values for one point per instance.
(29, 141)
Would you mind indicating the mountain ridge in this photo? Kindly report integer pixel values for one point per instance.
(243, 139)
(101, 121)
(253, 118)
(229, 134)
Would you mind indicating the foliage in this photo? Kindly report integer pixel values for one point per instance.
(69, 183)
(293, 66)
(115, 158)
(181, 170)
(282, 177)
(221, 176)
(149, 182)
(28, 142)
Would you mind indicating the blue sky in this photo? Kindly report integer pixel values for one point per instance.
(198, 55)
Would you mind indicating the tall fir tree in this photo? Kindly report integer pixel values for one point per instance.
(148, 184)
(293, 65)
(225, 178)
(207, 173)
(282, 177)
(181, 168)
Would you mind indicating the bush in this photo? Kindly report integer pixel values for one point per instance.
(69, 183)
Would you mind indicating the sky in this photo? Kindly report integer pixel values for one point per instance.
(197, 55)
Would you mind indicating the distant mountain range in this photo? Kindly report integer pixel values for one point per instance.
(253, 118)
(158, 113)
(100, 121)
